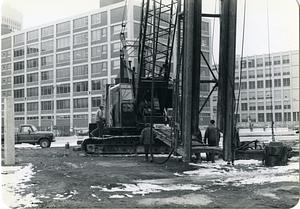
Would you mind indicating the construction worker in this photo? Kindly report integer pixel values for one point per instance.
(100, 120)
(212, 135)
(147, 141)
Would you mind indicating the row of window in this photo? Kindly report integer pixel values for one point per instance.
(261, 106)
(263, 84)
(60, 104)
(260, 73)
(267, 61)
(61, 88)
(268, 117)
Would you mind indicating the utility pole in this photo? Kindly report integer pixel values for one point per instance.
(225, 110)
(191, 72)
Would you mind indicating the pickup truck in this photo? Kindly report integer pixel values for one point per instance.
(29, 134)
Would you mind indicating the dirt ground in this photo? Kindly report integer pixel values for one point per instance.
(75, 180)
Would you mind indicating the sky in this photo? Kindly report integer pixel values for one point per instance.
(283, 20)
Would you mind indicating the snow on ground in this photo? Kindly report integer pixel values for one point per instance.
(246, 172)
(13, 179)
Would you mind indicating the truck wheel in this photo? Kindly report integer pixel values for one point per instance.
(44, 143)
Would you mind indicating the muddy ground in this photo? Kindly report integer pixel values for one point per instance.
(73, 180)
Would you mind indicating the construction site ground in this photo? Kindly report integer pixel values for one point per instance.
(59, 178)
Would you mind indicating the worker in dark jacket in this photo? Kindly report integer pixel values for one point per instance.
(147, 141)
(212, 136)
(100, 120)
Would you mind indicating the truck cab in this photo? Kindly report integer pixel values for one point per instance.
(28, 133)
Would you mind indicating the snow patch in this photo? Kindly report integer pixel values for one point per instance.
(116, 196)
(187, 200)
(14, 179)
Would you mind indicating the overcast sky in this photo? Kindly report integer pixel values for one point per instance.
(283, 17)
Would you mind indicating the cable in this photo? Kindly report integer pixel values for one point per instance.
(269, 56)
(212, 38)
(241, 61)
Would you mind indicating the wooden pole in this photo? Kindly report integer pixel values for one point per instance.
(225, 113)
(9, 131)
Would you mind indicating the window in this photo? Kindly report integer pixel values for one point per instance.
(6, 55)
(32, 106)
(19, 107)
(33, 63)
(96, 101)
(99, 34)
(251, 63)
(33, 92)
(286, 71)
(47, 31)
(251, 84)
(276, 60)
(116, 30)
(295, 116)
(261, 117)
(18, 52)
(81, 38)
(46, 90)
(205, 26)
(260, 84)
(33, 77)
(269, 117)
(80, 86)
(80, 54)
(244, 106)
(277, 105)
(6, 67)
(80, 22)
(32, 35)
(99, 51)
(268, 94)
(251, 74)
(99, 67)
(286, 81)
(286, 94)
(268, 72)
(19, 39)
(252, 96)
(96, 19)
(63, 88)
(285, 59)
(18, 66)
(278, 116)
(260, 95)
(47, 46)
(243, 85)
(259, 73)
(259, 62)
(277, 71)
(244, 97)
(96, 85)
(19, 79)
(80, 103)
(268, 83)
(286, 105)
(63, 42)
(287, 116)
(63, 73)
(116, 47)
(268, 61)
(19, 93)
(47, 105)
(32, 49)
(63, 58)
(260, 106)
(47, 75)
(63, 104)
(80, 70)
(277, 82)
(6, 43)
(46, 61)
(277, 94)
(63, 27)
(244, 64)
(252, 106)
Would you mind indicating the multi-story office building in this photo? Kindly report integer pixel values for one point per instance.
(269, 88)
(11, 19)
(57, 72)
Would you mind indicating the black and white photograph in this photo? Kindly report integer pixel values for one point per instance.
(123, 104)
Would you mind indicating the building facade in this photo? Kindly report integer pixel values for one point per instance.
(11, 19)
(269, 87)
(57, 72)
